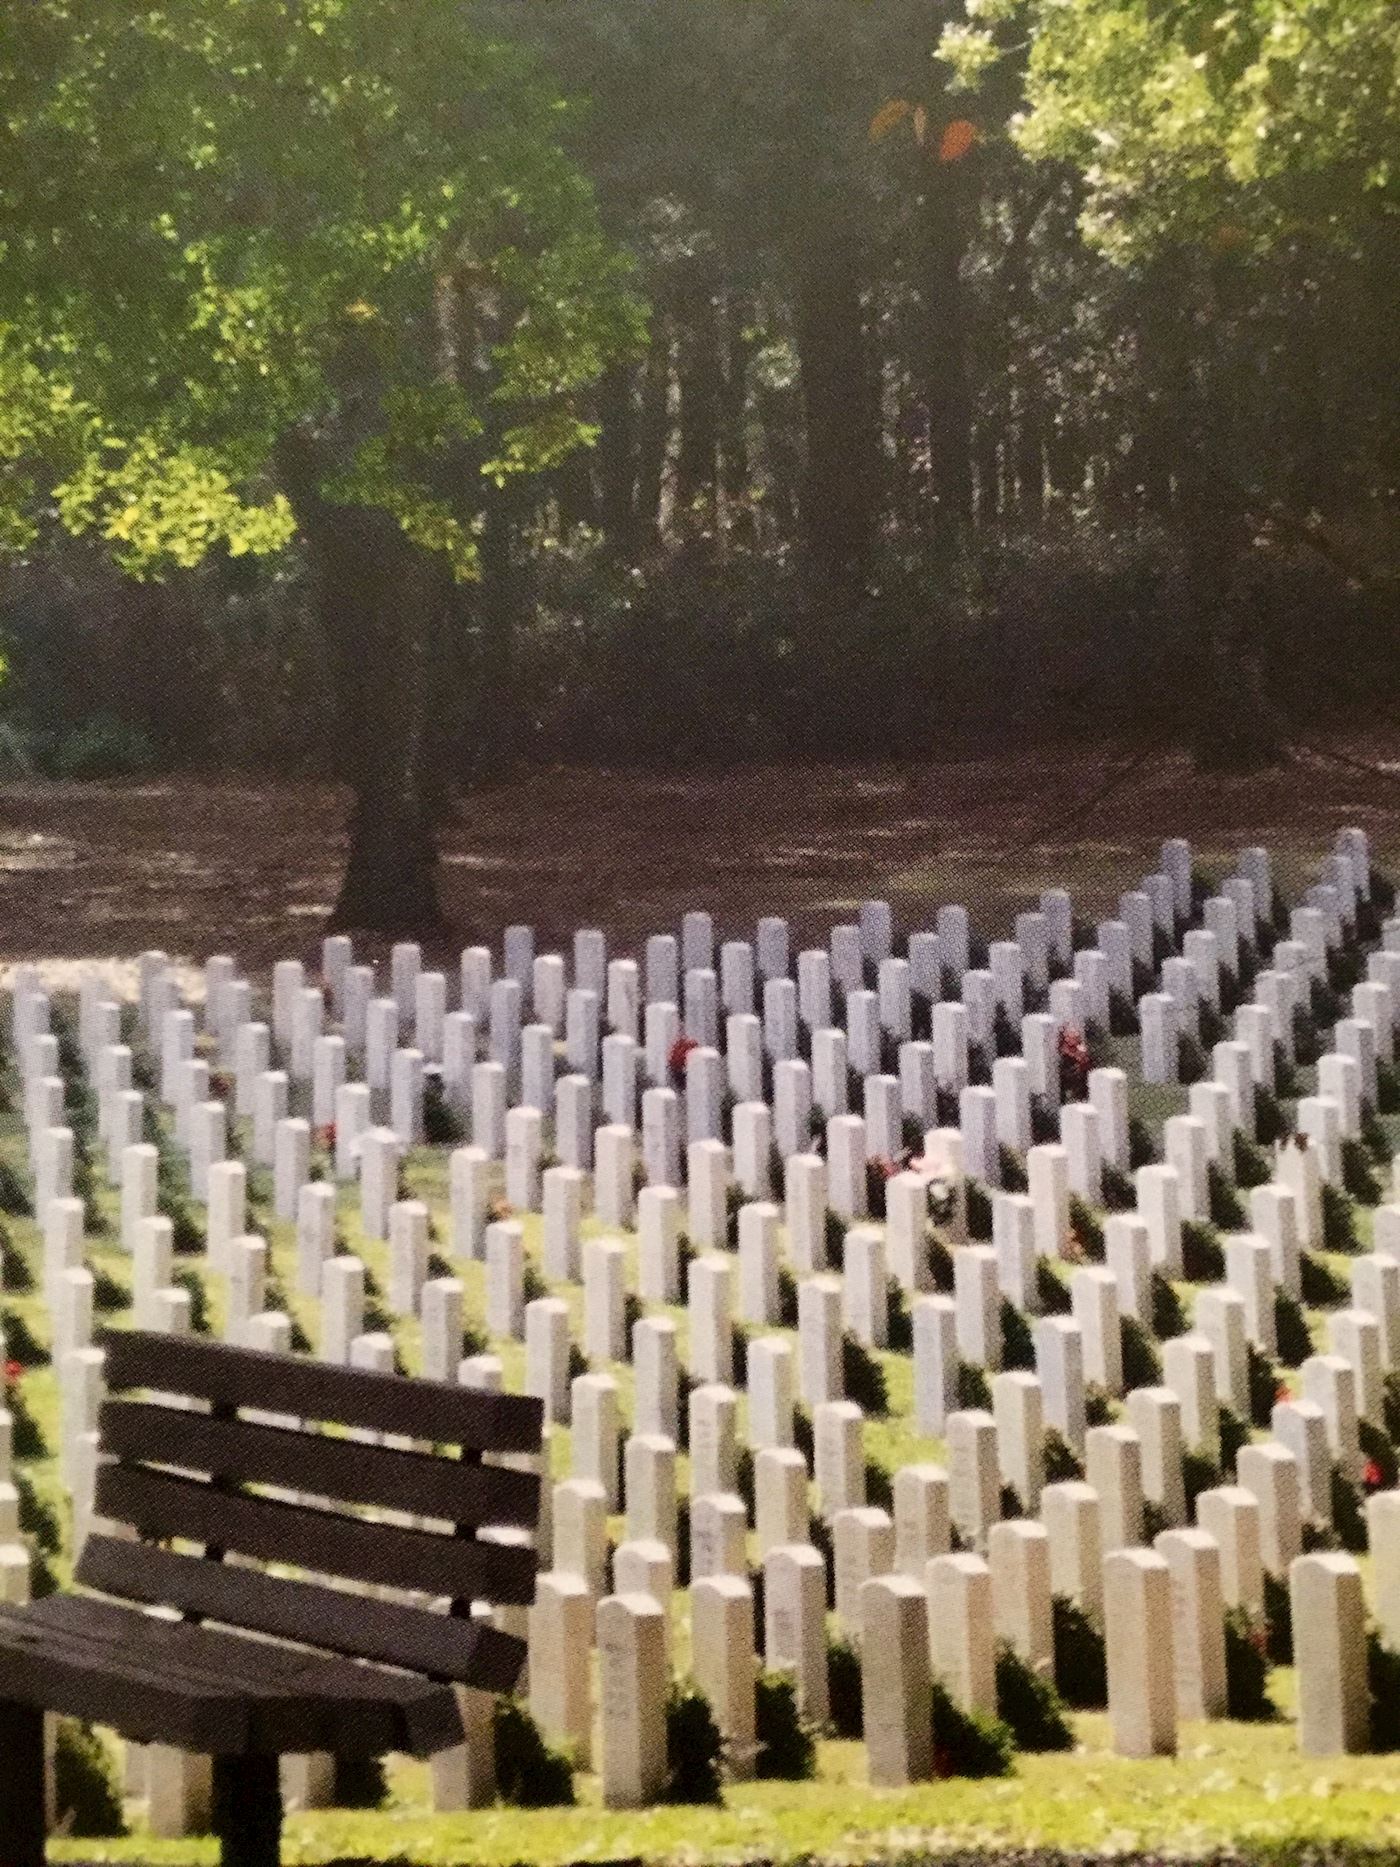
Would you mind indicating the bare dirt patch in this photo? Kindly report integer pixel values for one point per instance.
(195, 864)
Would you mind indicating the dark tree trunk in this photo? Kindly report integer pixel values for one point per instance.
(617, 455)
(699, 371)
(653, 433)
(1227, 719)
(1030, 459)
(840, 505)
(945, 357)
(495, 604)
(737, 507)
(397, 776)
(982, 451)
(386, 609)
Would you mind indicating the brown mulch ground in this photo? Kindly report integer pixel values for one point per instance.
(196, 864)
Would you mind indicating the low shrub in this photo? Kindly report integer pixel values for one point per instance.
(27, 1442)
(1029, 1705)
(879, 1486)
(1013, 1171)
(1051, 1290)
(968, 1743)
(900, 1326)
(21, 1344)
(1098, 1405)
(1087, 1228)
(1142, 1365)
(1247, 1668)
(836, 1228)
(1168, 1312)
(1198, 1473)
(1359, 1183)
(786, 1741)
(1226, 1207)
(843, 1687)
(1323, 1288)
(1263, 1385)
(1338, 1220)
(1378, 1451)
(442, 1125)
(1269, 1122)
(1293, 1341)
(1063, 1464)
(86, 1789)
(14, 1194)
(1142, 1149)
(1234, 1434)
(1348, 1517)
(1017, 1342)
(1202, 1254)
(864, 1377)
(530, 1773)
(1383, 1679)
(15, 1273)
(1119, 1193)
(361, 1781)
(940, 1262)
(694, 1748)
(1278, 1620)
(37, 1517)
(1081, 1674)
(974, 1389)
(979, 1212)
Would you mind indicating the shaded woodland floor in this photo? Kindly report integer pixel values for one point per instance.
(197, 864)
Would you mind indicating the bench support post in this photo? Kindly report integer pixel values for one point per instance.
(247, 1811)
(22, 1803)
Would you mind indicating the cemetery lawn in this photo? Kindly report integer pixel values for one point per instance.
(200, 864)
(1235, 1787)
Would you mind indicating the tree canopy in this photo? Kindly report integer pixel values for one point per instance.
(228, 222)
(1200, 121)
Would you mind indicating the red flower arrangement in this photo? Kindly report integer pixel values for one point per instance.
(325, 1138)
(678, 1054)
(1373, 1477)
(1281, 1392)
(1074, 1063)
(885, 1167)
(14, 1370)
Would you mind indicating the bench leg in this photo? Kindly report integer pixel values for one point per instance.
(22, 1800)
(247, 1810)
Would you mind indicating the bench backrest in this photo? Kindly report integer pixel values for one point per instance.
(200, 1474)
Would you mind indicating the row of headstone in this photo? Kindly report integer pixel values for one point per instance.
(970, 1305)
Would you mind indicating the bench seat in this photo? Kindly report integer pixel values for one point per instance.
(165, 1681)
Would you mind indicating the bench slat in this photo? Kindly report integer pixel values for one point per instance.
(105, 1651)
(423, 1483)
(140, 1700)
(317, 1390)
(435, 1645)
(463, 1568)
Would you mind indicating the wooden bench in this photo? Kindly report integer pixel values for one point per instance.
(254, 1664)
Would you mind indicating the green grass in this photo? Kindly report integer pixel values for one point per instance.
(1241, 1787)
(1233, 1786)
